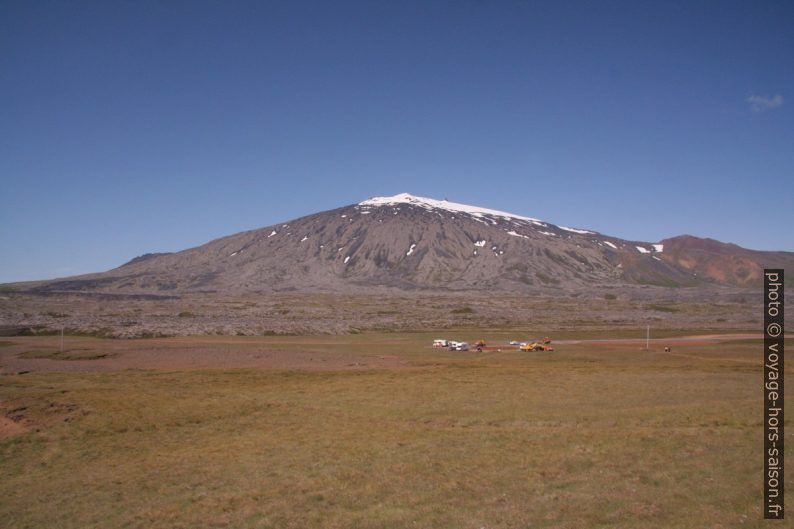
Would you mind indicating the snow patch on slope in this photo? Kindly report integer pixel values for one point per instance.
(574, 230)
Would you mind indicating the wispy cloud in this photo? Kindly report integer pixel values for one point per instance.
(761, 103)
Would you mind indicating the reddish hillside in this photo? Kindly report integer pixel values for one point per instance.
(722, 262)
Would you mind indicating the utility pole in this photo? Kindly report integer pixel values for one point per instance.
(648, 338)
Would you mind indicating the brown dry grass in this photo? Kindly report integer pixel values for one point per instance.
(606, 436)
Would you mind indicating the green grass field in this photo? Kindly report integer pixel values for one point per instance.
(587, 436)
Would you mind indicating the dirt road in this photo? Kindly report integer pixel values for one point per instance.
(177, 354)
(97, 355)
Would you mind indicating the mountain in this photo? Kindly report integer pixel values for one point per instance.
(406, 242)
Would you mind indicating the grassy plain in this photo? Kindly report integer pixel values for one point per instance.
(591, 435)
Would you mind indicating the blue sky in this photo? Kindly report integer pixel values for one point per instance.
(134, 127)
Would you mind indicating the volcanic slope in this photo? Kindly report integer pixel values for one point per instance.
(407, 242)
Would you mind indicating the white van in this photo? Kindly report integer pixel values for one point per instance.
(462, 346)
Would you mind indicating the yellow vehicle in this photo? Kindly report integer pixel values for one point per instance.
(536, 346)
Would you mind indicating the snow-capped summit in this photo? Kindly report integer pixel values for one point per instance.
(432, 203)
(455, 207)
